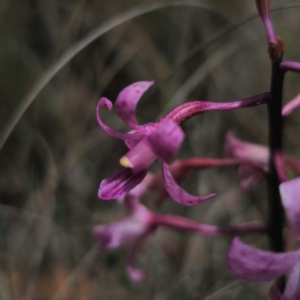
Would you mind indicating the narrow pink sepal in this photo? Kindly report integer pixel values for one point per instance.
(254, 265)
(128, 99)
(292, 288)
(177, 193)
(165, 141)
(290, 195)
(124, 136)
(256, 154)
(291, 106)
(119, 183)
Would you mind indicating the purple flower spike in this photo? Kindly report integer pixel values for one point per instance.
(263, 7)
(290, 191)
(291, 106)
(128, 99)
(177, 193)
(254, 265)
(119, 183)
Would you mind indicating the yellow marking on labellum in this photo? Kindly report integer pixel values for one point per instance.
(124, 162)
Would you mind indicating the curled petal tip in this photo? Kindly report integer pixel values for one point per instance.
(132, 136)
(104, 101)
(177, 193)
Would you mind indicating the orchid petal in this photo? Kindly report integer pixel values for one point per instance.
(137, 225)
(162, 143)
(290, 194)
(116, 234)
(144, 130)
(177, 193)
(254, 265)
(165, 141)
(124, 136)
(292, 288)
(128, 99)
(253, 153)
(119, 183)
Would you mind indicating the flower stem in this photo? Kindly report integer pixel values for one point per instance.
(275, 144)
(178, 222)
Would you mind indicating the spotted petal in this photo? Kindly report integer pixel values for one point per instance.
(254, 265)
(124, 136)
(177, 193)
(119, 183)
(128, 99)
(290, 194)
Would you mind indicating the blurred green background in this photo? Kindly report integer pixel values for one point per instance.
(54, 159)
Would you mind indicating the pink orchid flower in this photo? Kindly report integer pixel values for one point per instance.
(142, 222)
(155, 140)
(254, 265)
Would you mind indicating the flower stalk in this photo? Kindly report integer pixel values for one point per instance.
(275, 144)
